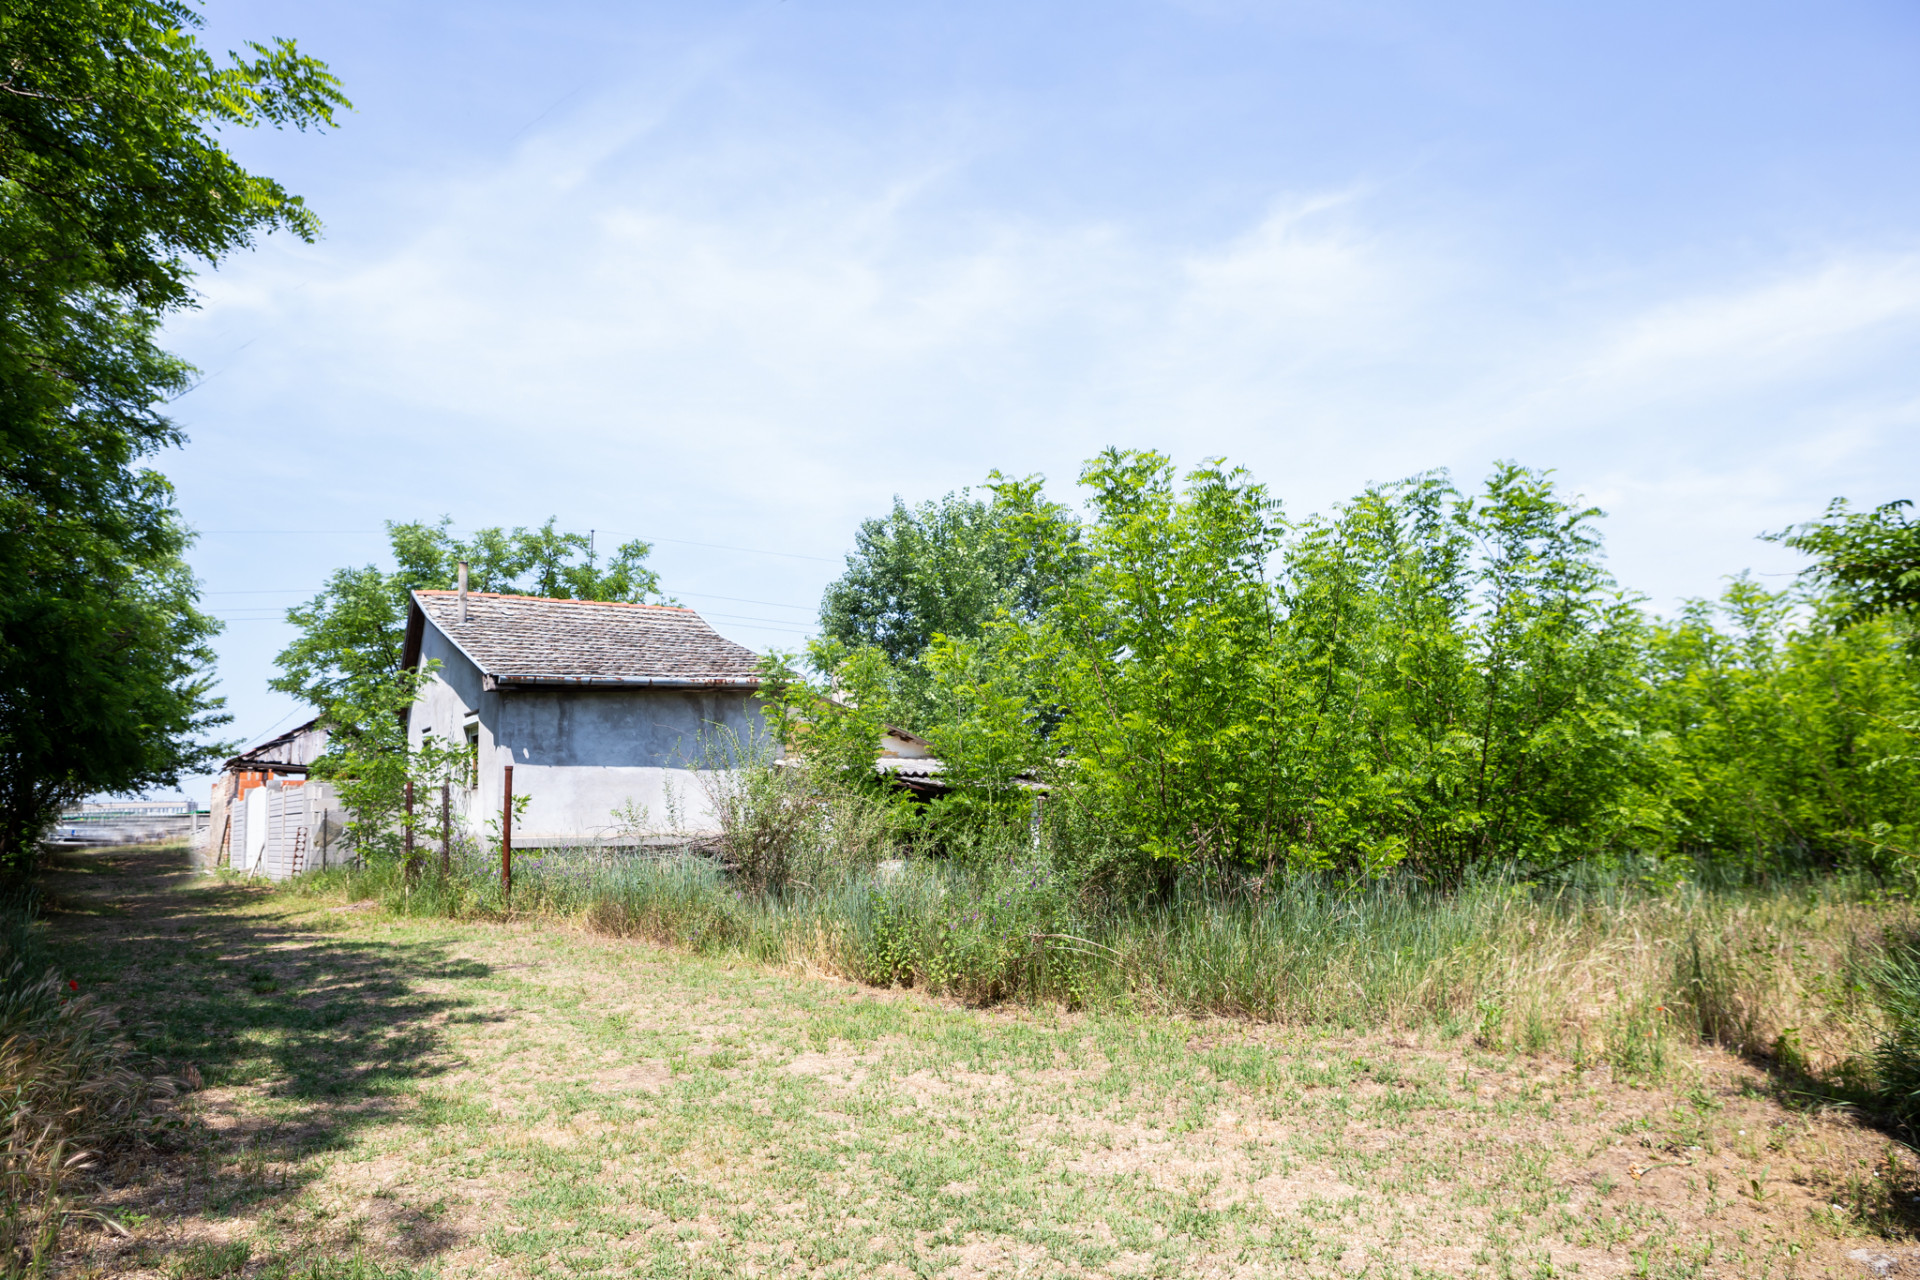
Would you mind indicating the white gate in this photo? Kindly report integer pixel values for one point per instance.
(258, 829)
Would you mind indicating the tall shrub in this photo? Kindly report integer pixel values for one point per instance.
(1420, 676)
(1160, 657)
(1794, 736)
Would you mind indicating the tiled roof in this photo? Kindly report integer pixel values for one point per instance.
(535, 640)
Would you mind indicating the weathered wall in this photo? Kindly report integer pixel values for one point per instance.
(303, 826)
(226, 813)
(450, 697)
(578, 753)
(617, 728)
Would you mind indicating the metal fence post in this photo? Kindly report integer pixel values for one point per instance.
(506, 842)
(446, 832)
(407, 862)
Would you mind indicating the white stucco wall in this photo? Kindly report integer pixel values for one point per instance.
(577, 753)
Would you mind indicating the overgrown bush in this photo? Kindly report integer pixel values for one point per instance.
(1794, 740)
(1427, 677)
(764, 811)
(783, 823)
(988, 933)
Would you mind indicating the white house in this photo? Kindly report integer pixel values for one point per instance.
(595, 705)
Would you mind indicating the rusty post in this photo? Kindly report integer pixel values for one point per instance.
(407, 861)
(446, 832)
(506, 843)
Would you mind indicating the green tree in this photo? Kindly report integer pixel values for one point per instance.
(1158, 654)
(1868, 560)
(1421, 677)
(1371, 671)
(1797, 713)
(1461, 679)
(947, 568)
(113, 186)
(103, 680)
(1560, 768)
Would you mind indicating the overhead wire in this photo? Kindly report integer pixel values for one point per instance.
(270, 613)
(683, 542)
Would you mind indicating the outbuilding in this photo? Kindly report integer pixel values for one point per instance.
(602, 710)
(274, 764)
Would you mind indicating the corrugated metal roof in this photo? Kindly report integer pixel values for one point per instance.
(912, 766)
(292, 751)
(537, 640)
(910, 769)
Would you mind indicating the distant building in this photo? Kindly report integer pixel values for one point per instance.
(278, 761)
(906, 762)
(596, 706)
(99, 822)
(96, 809)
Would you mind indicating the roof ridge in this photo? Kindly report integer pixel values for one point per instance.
(511, 595)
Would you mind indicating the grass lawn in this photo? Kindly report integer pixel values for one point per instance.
(401, 1098)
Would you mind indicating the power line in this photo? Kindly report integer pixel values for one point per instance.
(682, 542)
(258, 738)
(783, 623)
(755, 551)
(771, 604)
(701, 595)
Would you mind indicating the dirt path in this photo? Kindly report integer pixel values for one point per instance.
(384, 1097)
(294, 1039)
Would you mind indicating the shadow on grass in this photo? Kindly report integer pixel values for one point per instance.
(1887, 1199)
(328, 1029)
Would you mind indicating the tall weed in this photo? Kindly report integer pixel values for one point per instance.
(68, 1088)
(781, 824)
(1895, 1060)
(1608, 970)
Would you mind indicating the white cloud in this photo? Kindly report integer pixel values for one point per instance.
(851, 312)
(795, 360)
(1792, 327)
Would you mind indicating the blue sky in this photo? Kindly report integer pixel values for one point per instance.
(730, 276)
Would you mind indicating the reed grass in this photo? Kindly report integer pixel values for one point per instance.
(1612, 969)
(1894, 1075)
